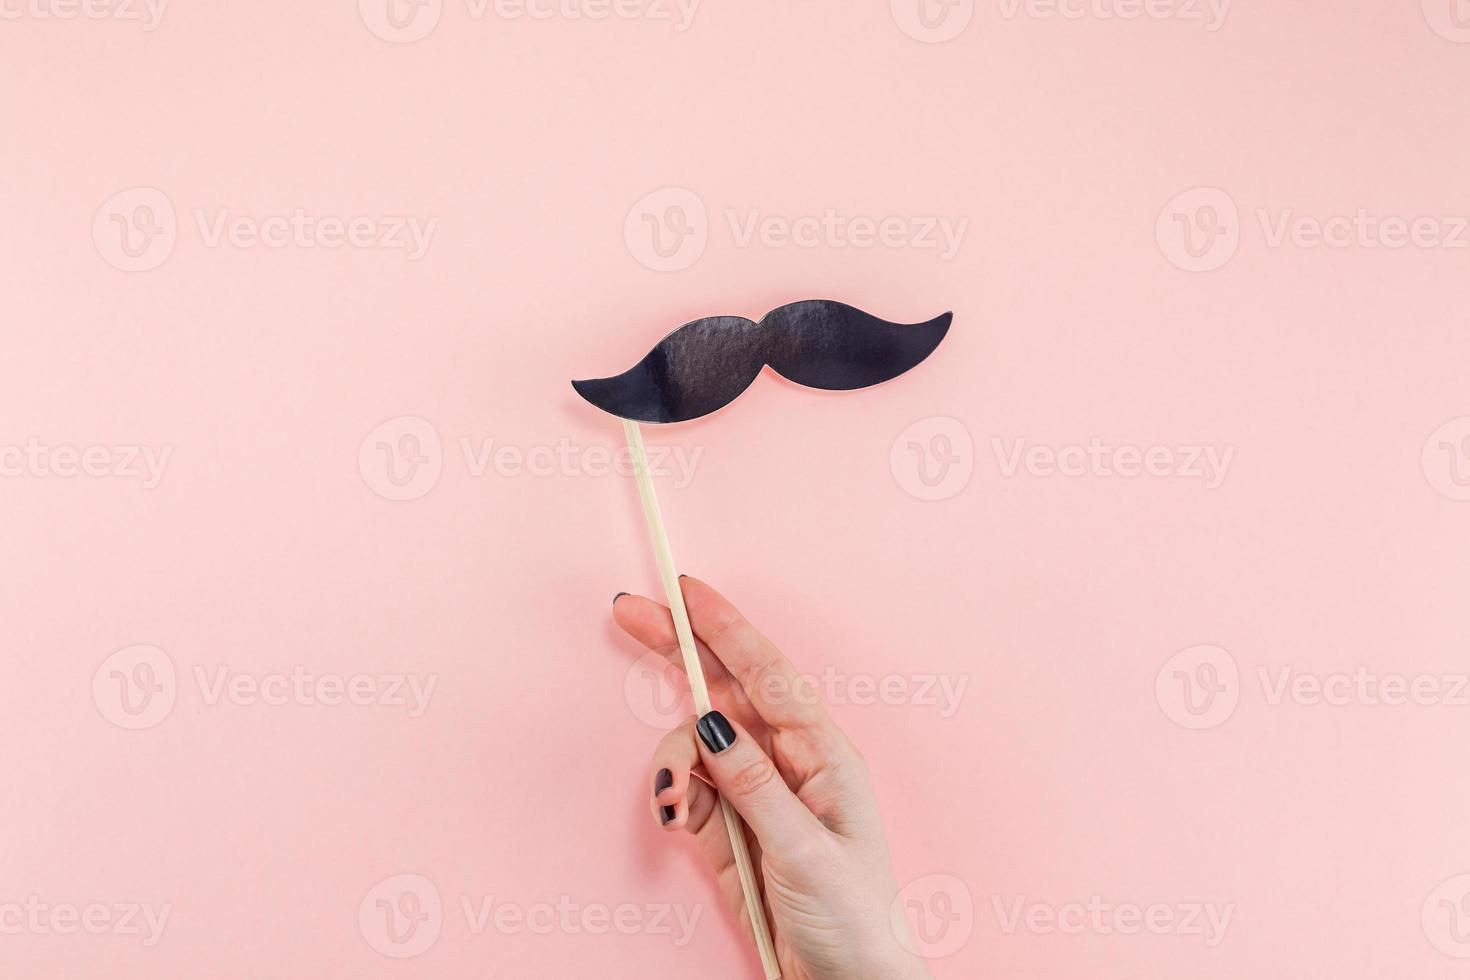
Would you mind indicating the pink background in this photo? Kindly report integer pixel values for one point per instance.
(1335, 833)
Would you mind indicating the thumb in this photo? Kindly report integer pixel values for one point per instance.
(748, 778)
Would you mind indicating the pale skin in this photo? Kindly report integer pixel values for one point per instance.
(801, 786)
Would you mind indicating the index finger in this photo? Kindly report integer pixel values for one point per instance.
(782, 697)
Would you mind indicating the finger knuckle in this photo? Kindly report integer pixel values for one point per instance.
(764, 681)
(753, 776)
(676, 737)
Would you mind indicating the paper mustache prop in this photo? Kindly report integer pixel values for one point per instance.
(702, 367)
(706, 364)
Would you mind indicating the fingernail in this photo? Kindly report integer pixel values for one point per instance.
(617, 597)
(682, 575)
(661, 782)
(715, 732)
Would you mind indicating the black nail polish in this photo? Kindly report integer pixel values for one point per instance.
(661, 782)
(617, 597)
(715, 732)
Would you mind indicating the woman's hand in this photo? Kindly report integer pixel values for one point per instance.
(796, 779)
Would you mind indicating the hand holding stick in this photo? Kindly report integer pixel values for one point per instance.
(675, 595)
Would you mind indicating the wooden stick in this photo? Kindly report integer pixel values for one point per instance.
(733, 825)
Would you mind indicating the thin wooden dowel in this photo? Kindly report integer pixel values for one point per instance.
(754, 907)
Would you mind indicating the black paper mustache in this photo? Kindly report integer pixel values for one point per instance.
(705, 364)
